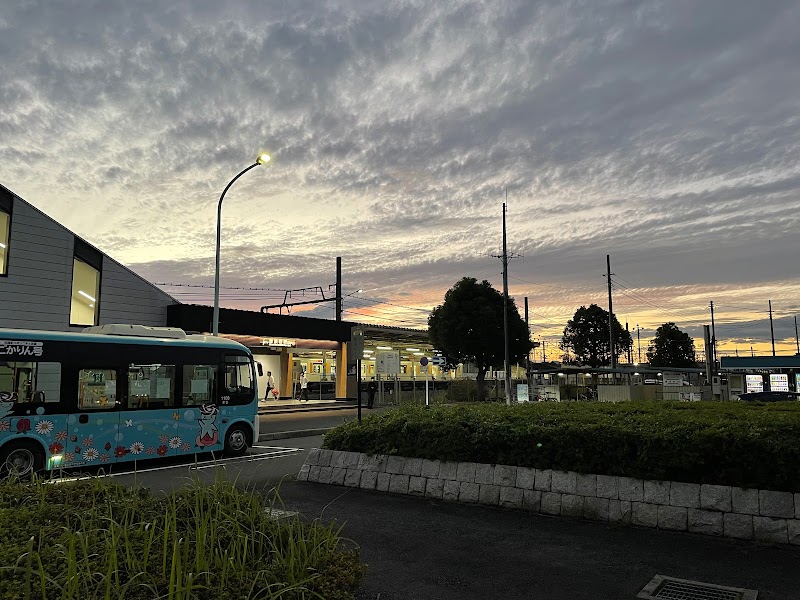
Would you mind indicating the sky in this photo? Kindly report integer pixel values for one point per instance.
(665, 134)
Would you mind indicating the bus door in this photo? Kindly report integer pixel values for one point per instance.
(93, 430)
(199, 425)
(149, 417)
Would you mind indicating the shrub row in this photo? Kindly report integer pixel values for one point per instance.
(746, 445)
(98, 540)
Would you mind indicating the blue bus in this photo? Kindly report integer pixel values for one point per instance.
(119, 393)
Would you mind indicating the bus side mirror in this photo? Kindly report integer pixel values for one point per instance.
(260, 369)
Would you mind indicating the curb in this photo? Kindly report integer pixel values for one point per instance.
(282, 435)
(302, 409)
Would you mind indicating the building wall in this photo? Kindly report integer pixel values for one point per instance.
(36, 293)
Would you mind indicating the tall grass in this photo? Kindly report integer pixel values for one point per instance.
(93, 540)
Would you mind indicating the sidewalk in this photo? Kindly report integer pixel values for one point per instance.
(292, 405)
(418, 548)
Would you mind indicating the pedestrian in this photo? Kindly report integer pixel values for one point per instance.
(372, 387)
(270, 386)
(303, 387)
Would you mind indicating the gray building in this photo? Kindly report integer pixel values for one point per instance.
(52, 279)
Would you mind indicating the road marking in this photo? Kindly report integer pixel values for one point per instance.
(275, 447)
(258, 457)
(205, 464)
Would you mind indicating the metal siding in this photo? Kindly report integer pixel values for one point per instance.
(36, 292)
(126, 298)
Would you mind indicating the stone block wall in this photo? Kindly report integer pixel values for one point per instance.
(707, 509)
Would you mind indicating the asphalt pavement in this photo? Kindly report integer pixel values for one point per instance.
(287, 423)
(425, 549)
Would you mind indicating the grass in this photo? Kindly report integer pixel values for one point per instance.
(726, 443)
(94, 540)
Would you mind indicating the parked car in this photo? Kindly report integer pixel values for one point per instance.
(769, 396)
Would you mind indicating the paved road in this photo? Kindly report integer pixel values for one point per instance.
(422, 549)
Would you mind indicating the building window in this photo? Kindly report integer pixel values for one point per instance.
(5, 231)
(85, 293)
(87, 269)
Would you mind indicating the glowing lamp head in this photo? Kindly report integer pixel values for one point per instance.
(263, 158)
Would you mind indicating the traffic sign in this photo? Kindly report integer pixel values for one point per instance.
(438, 361)
(423, 361)
(423, 365)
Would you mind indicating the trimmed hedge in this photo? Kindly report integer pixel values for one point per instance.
(725, 443)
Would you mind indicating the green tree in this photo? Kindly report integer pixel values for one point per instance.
(468, 327)
(586, 337)
(671, 347)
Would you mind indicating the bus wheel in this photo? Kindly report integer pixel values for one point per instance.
(21, 460)
(236, 441)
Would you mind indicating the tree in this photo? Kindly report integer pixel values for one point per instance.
(671, 347)
(586, 335)
(468, 327)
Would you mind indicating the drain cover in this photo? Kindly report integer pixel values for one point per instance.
(278, 514)
(670, 588)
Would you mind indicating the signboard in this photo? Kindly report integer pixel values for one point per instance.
(522, 392)
(423, 365)
(754, 383)
(778, 382)
(439, 361)
(15, 348)
(673, 380)
(387, 362)
(278, 343)
(356, 349)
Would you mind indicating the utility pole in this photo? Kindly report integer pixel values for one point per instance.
(630, 349)
(505, 306)
(713, 336)
(338, 288)
(610, 317)
(796, 338)
(771, 330)
(505, 257)
(544, 352)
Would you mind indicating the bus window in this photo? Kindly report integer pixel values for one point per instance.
(239, 381)
(151, 386)
(97, 389)
(199, 383)
(30, 381)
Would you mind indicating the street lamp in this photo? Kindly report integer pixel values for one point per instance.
(262, 159)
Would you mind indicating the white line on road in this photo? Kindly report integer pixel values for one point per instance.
(262, 456)
(192, 466)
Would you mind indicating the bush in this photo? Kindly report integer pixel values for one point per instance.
(747, 445)
(92, 540)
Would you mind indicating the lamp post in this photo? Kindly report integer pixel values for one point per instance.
(263, 158)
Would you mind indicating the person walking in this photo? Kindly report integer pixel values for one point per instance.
(270, 386)
(303, 387)
(372, 387)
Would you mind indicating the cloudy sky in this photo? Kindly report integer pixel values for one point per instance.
(666, 134)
